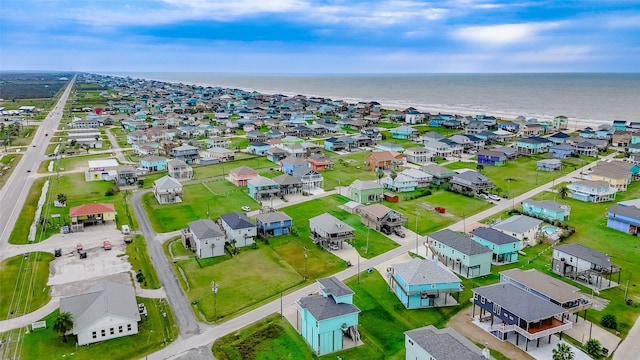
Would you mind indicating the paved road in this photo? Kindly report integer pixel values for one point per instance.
(182, 345)
(15, 190)
(115, 148)
(187, 322)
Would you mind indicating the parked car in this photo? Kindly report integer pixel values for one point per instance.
(125, 230)
(399, 232)
(334, 247)
(385, 229)
(245, 208)
(106, 245)
(494, 197)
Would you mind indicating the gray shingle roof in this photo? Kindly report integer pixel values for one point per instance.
(630, 211)
(237, 220)
(419, 272)
(167, 182)
(243, 170)
(274, 216)
(437, 170)
(585, 253)
(364, 185)
(518, 224)
(101, 299)
(444, 344)
(286, 179)
(331, 285)
(545, 204)
(494, 236)
(205, 229)
(329, 224)
(525, 305)
(323, 308)
(261, 181)
(459, 242)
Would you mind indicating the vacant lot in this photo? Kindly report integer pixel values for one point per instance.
(24, 283)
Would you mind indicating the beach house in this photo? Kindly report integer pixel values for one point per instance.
(625, 218)
(432, 343)
(186, 153)
(522, 227)
(546, 209)
(404, 132)
(292, 163)
(330, 232)
(585, 265)
(422, 284)
(288, 184)
(458, 252)
(240, 176)
(153, 163)
(311, 180)
(167, 190)
(592, 191)
(440, 173)
(401, 183)
(366, 191)
(178, 169)
(533, 145)
(418, 155)
(377, 216)
(505, 247)
(204, 237)
(471, 182)
(262, 188)
(238, 229)
(491, 158)
(383, 160)
(273, 223)
(328, 322)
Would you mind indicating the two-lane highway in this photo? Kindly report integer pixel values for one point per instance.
(14, 193)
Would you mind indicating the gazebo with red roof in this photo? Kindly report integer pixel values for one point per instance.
(95, 213)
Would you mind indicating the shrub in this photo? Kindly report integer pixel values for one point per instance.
(609, 321)
(593, 348)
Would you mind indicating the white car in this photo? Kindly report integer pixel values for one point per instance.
(245, 208)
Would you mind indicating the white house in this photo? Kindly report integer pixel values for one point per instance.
(106, 311)
(206, 237)
(167, 190)
(237, 227)
(522, 227)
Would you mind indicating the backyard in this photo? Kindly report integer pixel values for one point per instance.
(24, 283)
(155, 332)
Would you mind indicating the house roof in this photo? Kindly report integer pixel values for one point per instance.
(292, 160)
(176, 163)
(90, 209)
(459, 242)
(365, 185)
(437, 170)
(416, 174)
(560, 135)
(377, 210)
(546, 204)
(546, 285)
(472, 176)
(261, 181)
(518, 224)
(167, 182)
(330, 224)
(104, 298)
(521, 303)
(587, 254)
(103, 163)
(205, 229)
(384, 155)
(152, 158)
(507, 150)
(273, 216)
(236, 220)
(303, 171)
(331, 285)
(626, 210)
(243, 170)
(420, 272)
(591, 184)
(323, 308)
(286, 179)
(494, 236)
(445, 344)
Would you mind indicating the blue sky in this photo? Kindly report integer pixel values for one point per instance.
(327, 36)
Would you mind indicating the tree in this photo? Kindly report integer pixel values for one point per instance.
(62, 199)
(393, 175)
(62, 324)
(563, 352)
(379, 174)
(593, 347)
(479, 167)
(609, 321)
(563, 191)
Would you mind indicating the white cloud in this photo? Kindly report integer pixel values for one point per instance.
(504, 34)
(552, 54)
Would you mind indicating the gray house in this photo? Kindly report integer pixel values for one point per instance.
(471, 182)
(330, 232)
(204, 237)
(178, 169)
(238, 229)
(432, 343)
(167, 190)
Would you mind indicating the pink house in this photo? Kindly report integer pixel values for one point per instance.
(240, 176)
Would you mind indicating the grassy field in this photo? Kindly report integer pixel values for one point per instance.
(45, 104)
(121, 136)
(218, 197)
(523, 173)
(25, 137)
(267, 271)
(16, 274)
(140, 262)
(256, 163)
(78, 192)
(70, 163)
(10, 160)
(346, 169)
(155, 332)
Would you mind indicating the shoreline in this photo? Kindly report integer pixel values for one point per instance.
(575, 124)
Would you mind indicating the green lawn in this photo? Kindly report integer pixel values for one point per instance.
(522, 171)
(25, 137)
(78, 192)
(346, 169)
(71, 163)
(121, 136)
(440, 130)
(8, 159)
(218, 196)
(16, 289)
(155, 332)
(140, 262)
(267, 270)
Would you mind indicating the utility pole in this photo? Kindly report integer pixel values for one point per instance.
(417, 216)
(366, 249)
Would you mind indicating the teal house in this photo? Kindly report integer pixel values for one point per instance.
(153, 163)
(505, 247)
(404, 132)
(461, 254)
(328, 322)
(546, 210)
(424, 284)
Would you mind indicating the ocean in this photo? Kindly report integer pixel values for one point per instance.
(584, 98)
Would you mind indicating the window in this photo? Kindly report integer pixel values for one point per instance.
(482, 300)
(94, 334)
(103, 332)
(120, 329)
(111, 331)
(128, 327)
